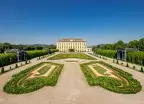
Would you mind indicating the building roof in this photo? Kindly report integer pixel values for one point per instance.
(71, 40)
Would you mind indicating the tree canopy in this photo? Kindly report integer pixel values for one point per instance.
(5, 46)
(139, 44)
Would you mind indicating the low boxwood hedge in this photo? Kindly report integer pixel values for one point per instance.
(19, 85)
(111, 83)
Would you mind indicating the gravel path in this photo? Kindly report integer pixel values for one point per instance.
(71, 89)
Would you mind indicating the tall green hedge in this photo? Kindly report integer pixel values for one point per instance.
(9, 58)
(107, 53)
(135, 57)
(53, 50)
(36, 53)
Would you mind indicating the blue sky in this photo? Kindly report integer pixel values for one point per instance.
(45, 21)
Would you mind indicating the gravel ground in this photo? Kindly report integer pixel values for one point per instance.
(72, 88)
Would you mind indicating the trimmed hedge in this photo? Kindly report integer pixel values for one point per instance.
(18, 84)
(107, 53)
(132, 57)
(136, 57)
(36, 53)
(7, 58)
(110, 83)
(10, 58)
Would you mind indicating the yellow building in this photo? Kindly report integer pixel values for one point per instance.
(71, 44)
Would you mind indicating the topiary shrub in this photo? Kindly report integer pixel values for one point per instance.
(127, 65)
(10, 68)
(2, 70)
(113, 61)
(142, 70)
(16, 65)
(134, 67)
(117, 62)
(26, 62)
(122, 63)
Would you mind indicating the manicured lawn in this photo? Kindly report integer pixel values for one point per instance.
(75, 55)
(43, 70)
(100, 70)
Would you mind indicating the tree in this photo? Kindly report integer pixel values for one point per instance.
(133, 44)
(52, 46)
(141, 44)
(39, 48)
(120, 44)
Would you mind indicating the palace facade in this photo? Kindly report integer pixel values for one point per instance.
(71, 44)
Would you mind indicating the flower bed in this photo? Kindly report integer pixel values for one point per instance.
(24, 83)
(76, 55)
(115, 80)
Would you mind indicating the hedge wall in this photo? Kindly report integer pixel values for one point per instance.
(136, 57)
(132, 57)
(36, 53)
(9, 58)
(107, 53)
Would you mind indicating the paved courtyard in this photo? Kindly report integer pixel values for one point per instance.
(72, 88)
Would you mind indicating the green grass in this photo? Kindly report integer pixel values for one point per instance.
(129, 84)
(75, 55)
(19, 84)
(43, 70)
(100, 70)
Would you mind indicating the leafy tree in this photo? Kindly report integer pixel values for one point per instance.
(141, 44)
(51, 46)
(120, 44)
(39, 48)
(133, 44)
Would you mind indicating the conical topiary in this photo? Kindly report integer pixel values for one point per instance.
(2, 70)
(113, 61)
(16, 66)
(117, 62)
(142, 70)
(127, 65)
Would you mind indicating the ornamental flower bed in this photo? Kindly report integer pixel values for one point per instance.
(34, 78)
(110, 78)
(76, 55)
